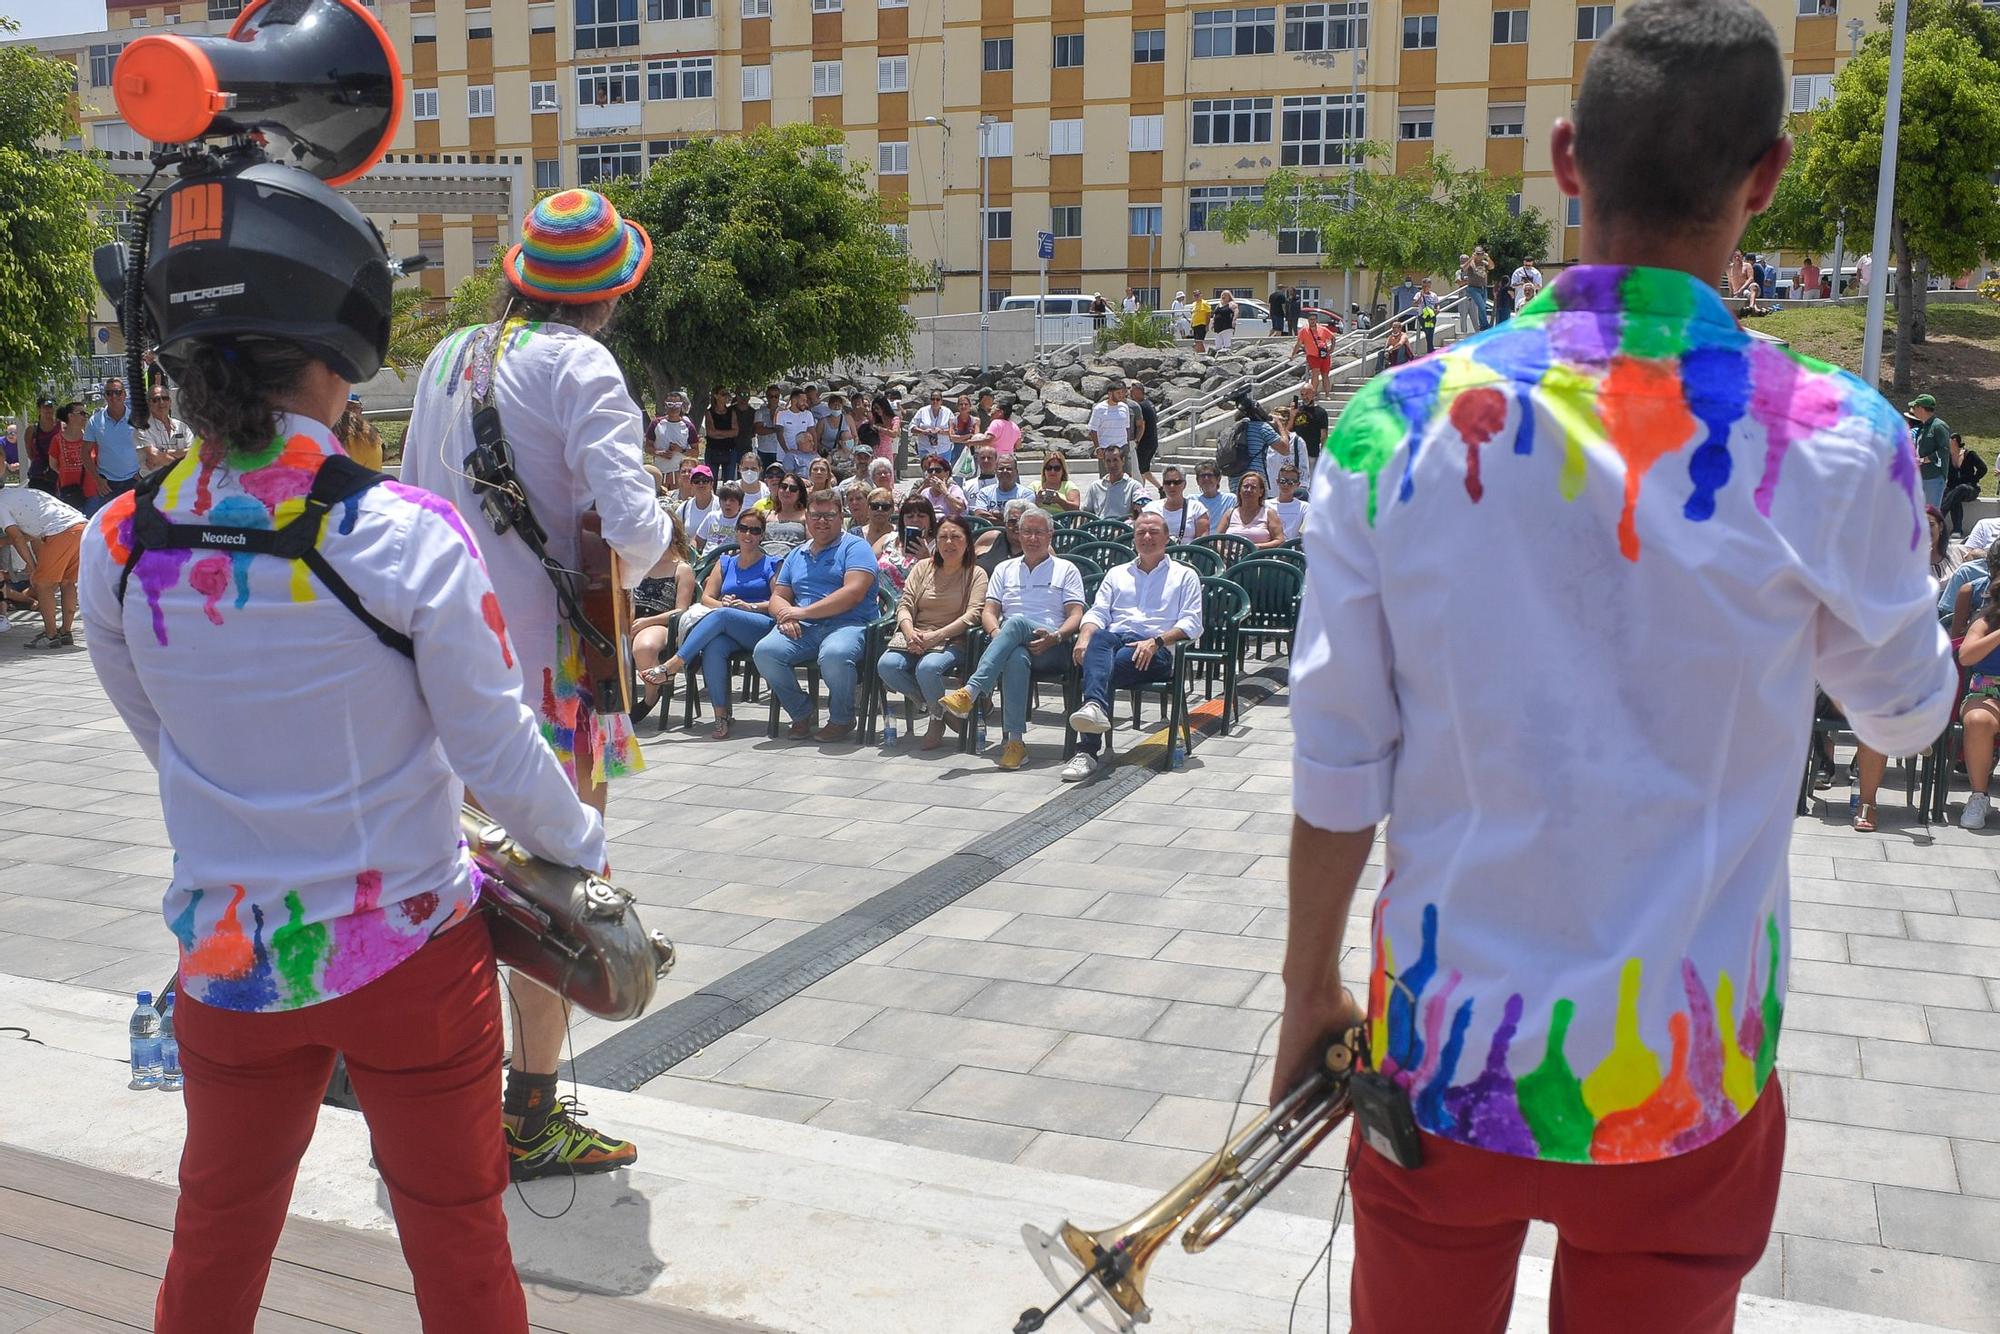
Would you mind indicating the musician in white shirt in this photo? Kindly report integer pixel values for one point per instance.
(932, 428)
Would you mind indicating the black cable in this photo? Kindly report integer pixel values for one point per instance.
(26, 1036)
(569, 1043)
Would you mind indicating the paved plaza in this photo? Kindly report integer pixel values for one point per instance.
(1096, 1010)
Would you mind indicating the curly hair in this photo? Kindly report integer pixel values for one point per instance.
(229, 391)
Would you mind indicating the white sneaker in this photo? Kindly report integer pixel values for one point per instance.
(1091, 718)
(1081, 766)
(1974, 815)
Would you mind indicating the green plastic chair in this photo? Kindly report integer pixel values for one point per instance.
(1219, 651)
(1274, 588)
(1204, 561)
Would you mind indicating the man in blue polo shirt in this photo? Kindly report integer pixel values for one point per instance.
(822, 601)
(110, 429)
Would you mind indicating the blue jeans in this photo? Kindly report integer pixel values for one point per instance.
(1108, 667)
(1481, 314)
(838, 652)
(715, 636)
(1933, 490)
(1008, 660)
(923, 679)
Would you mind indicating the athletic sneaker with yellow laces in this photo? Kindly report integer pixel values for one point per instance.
(565, 1146)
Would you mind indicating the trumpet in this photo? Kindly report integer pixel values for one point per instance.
(1109, 1267)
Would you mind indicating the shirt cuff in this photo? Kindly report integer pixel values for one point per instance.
(1916, 727)
(1340, 798)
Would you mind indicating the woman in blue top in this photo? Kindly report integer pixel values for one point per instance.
(738, 598)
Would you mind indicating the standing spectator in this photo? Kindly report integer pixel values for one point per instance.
(1033, 606)
(1146, 430)
(1100, 310)
(1281, 312)
(1525, 284)
(47, 535)
(985, 408)
(12, 445)
(75, 460)
(1177, 315)
(992, 500)
(1475, 274)
(798, 443)
(700, 513)
(932, 429)
(1316, 341)
(1933, 445)
(1185, 521)
(746, 436)
(1113, 495)
(1004, 435)
(738, 596)
(721, 436)
(821, 602)
(1057, 494)
(942, 599)
(1807, 286)
(42, 437)
(1283, 450)
(1289, 507)
(1427, 315)
(1573, 932)
(116, 450)
(1213, 501)
(162, 447)
(1222, 320)
(766, 434)
(1309, 420)
(1111, 424)
(964, 432)
(1143, 608)
(1199, 315)
(1403, 297)
(1962, 480)
(814, 404)
(836, 437)
(1131, 304)
(1859, 284)
(888, 431)
(674, 441)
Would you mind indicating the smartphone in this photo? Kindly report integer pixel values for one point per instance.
(913, 538)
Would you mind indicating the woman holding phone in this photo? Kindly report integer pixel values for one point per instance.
(896, 552)
(1056, 494)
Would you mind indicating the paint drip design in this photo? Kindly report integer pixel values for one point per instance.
(1629, 367)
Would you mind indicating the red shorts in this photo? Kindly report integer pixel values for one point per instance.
(1319, 365)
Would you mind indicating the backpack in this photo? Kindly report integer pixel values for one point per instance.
(1232, 456)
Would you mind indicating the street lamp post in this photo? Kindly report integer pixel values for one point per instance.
(944, 208)
(986, 124)
(1353, 96)
(1885, 199)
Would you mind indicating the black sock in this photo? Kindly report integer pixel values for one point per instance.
(532, 1098)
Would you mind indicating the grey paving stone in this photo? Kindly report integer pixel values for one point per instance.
(1813, 1206)
(962, 921)
(1147, 1165)
(1767, 1277)
(64, 919)
(1216, 1027)
(772, 934)
(1938, 1223)
(1953, 1066)
(54, 960)
(1156, 1066)
(1175, 816)
(1050, 900)
(1953, 930)
(1963, 1028)
(1177, 914)
(1966, 961)
(903, 988)
(1861, 894)
(981, 958)
(1927, 874)
(734, 1098)
(1973, 904)
(811, 1019)
(1826, 946)
(1960, 1294)
(719, 1055)
(135, 972)
(1061, 873)
(1837, 917)
(798, 902)
(1978, 1167)
(1085, 935)
(132, 861)
(1247, 952)
(1203, 1125)
(836, 1072)
(1258, 894)
(955, 1038)
(695, 926)
(1180, 860)
(1897, 1020)
(1820, 1053)
(1856, 1153)
(1894, 982)
(1913, 1107)
(1157, 977)
(950, 1134)
(1068, 1009)
(1037, 1101)
(47, 880)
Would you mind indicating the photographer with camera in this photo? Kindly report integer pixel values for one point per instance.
(314, 660)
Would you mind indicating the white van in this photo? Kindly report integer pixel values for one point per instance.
(1065, 315)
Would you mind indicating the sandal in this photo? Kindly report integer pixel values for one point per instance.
(1864, 818)
(720, 732)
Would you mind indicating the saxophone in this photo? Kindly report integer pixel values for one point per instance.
(568, 928)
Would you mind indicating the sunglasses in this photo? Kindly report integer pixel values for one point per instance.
(1177, 481)
(1204, 477)
(1052, 467)
(881, 508)
(756, 528)
(823, 516)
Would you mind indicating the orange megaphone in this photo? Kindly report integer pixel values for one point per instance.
(319, 75)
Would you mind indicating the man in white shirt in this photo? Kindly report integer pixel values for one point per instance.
(1291, 507)
(1526, 282)
(1111, 425)
(798, 430)
(1579, 968)
(47, 535)
(1983, 535)
(1033, 606)
(932, 428)
(1185, 520)
(1143, 608)
(671, 441)
(1113, 495)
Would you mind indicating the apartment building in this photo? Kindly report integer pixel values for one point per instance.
(1120, 127)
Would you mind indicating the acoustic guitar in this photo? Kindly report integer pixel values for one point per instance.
(607, 607)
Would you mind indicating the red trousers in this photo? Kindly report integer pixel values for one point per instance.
(1645, 1248)
(423, 1047)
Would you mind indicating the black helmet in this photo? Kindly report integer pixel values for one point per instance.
(268, 252)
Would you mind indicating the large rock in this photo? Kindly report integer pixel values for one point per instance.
(1095, 387)
(1033, 377)
(1137, 361)
(1057, 393)
(1070, 373)
(1066, 414)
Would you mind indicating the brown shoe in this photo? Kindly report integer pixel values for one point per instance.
(720, 732)
(934, 734)
(800, 731)
(835, 731)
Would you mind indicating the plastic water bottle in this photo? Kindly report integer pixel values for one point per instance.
(145, 1030)
(888, 726)
(170, 1047)
(979, 725)
(1176, 753)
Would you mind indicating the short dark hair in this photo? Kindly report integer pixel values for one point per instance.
(1711, 69)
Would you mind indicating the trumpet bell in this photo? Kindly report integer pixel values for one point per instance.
(1071, 1259)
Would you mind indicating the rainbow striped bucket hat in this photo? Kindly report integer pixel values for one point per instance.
(574, 247)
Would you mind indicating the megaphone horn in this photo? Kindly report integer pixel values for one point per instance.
(319, 75)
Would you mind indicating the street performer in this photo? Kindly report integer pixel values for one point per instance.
(1572, 581)
(576, 436)
(311, 719)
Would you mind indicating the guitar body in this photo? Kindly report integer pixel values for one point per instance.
(608, 607)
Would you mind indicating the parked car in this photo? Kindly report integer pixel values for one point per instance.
(1065, 315)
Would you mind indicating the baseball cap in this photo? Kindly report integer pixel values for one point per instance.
(354, 398)
(703, 470)
(774, 470)
(1924, 401)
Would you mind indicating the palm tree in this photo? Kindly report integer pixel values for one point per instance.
(416, 322)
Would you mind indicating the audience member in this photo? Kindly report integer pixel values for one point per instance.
(965, 431)
(821, 602)
(1057, 494)
(658, 603)
(786, 528)
(942, 599)
(674, 440)
(1111, 426)
(888, 422)
(723, 442)
(853, 495)
(1184, 521)
(1963, 473)
(1289, 507)
(939, 488)
(1213, 500)
(47, 535)
(698, 514)
(1002, 432)
(1142, 609)
(799, 444)
(1033, 605)
(1004, 542)
(42, 437)
(1006, 486)
(932, 429)
(766, 434)
(77, 483)
(116, 452)
(737, 596)
(1113, 495)
(909, 543)
(1250, 518)
(1145, 433)
(755, 479)
(1980, 713)
(881, 516)
(165, 438)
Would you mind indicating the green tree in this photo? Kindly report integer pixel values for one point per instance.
(1945, 213)
(1517, 239)
(417, 321)
(1419, 221)
(767, 256)
(1799, 217)
(49, 224)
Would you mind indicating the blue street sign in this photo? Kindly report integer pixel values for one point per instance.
(1045, 244)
